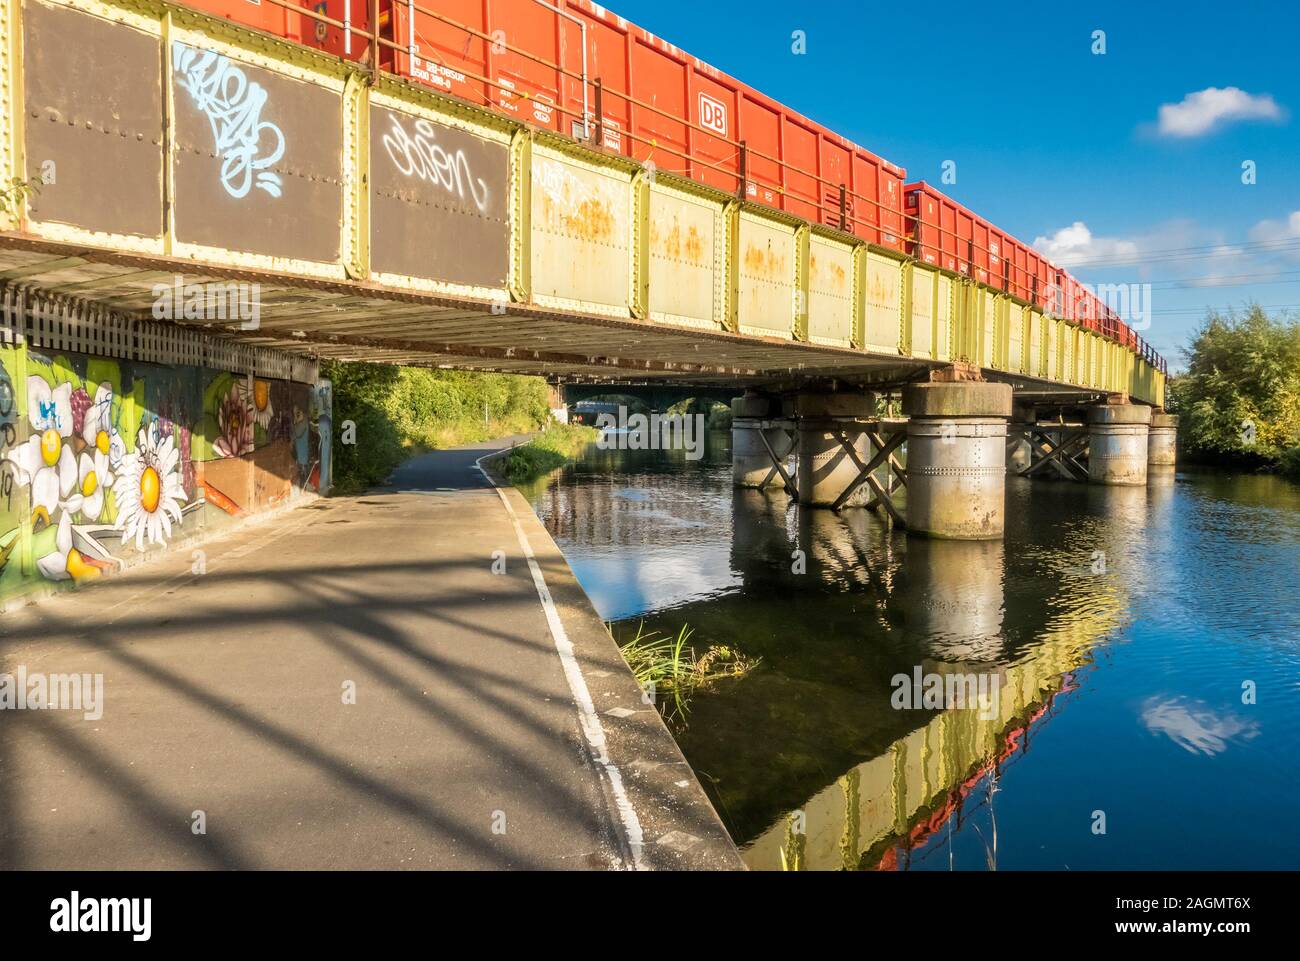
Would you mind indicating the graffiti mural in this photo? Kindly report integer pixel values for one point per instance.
(104, 460)
(11, 531)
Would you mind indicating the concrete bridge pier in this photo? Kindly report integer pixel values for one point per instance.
(1162, 443)
(825, 469)
(956, 459)
(1117, 444)
(751, 427)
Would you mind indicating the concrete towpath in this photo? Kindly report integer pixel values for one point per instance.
(494, 724)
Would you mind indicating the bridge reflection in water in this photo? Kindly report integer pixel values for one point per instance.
(805, 758)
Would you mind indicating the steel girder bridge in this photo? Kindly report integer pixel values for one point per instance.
(147, 146)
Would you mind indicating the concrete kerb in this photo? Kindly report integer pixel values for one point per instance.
(679, 828)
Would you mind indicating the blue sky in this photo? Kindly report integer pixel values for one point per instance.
(1046, 134)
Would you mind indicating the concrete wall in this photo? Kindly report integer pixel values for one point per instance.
(104, 460)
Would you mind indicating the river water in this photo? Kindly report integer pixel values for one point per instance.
(1141, 648)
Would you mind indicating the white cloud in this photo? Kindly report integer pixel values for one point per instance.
(1272, 230)
(1282, 236)
(1180, 250)
(1202, 111)
(1076, 243)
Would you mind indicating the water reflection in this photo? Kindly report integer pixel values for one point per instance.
(807, 760)
(1193, 726)
(953, 599)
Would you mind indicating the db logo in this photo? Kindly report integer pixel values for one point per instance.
(713, 114)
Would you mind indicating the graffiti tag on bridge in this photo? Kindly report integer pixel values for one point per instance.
(423, 157)
(233, 105)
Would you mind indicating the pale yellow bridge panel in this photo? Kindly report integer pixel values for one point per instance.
(830, 292)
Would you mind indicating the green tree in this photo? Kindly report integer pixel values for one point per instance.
(1240, 396)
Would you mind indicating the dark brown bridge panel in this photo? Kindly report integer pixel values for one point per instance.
(439, 201)
(94, 111)
(258, 159)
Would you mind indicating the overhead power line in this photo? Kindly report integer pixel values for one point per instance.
(1176, 254)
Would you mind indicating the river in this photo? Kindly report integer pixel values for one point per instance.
(1142, 647)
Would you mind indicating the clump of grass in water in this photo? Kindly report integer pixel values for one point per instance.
(549, 450)
(664, 664)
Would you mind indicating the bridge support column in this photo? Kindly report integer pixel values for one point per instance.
(1162, 442)
(1020, 451)
(825, 468)
(1117, 444)
(956, 459)
(755, 441)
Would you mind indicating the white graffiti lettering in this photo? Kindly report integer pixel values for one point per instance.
(424, 158)
(233, 105)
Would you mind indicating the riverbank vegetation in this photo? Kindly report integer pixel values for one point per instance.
(1239, 400)
(402, 411)
(669, 668)
(554, 447)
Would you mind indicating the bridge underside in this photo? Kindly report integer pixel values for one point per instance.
(354, 322)
(347, 321)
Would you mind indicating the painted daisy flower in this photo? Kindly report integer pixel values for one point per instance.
(94, 476)
(45, 460)
(97, 428)
(66, 561)
(149, 491)
(257, 396)
(94, 473)
(235, 424)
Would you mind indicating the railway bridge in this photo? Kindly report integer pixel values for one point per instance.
(196, 213)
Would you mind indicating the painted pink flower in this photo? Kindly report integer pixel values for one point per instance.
(80, 404)
(235, 426)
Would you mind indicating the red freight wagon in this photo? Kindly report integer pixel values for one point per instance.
(1020, 284)
(262, 16)
(554, 64)
(942, 231)
(670, 108)
(347, 40)
(1038, 277)
(1069, 293)
(1086, 309)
